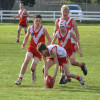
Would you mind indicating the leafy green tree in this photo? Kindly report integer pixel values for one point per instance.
(29, 3)
(95, 1)
(7, 4)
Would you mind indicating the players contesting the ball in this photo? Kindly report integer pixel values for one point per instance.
(58, 56)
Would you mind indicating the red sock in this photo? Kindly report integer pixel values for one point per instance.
(68, 77)
(82, 65)
(20, 78)
(78, 77)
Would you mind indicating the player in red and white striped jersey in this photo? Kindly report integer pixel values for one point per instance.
(70, 25)
(23, 14)
(38, 34)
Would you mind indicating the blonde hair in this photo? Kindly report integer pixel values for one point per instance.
(64, 7)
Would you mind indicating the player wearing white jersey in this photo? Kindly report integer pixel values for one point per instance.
(58, 56)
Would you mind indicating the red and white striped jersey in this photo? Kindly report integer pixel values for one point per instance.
(36, 37)
(22, 19)
(69, 26)
(64, 41)
(61, 52)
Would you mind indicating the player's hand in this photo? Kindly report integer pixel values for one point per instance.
(23, 46)
(53, 35)
(76, 47)
(14, 17)
(80, 53)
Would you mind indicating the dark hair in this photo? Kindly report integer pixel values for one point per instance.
(41, 46)
(37, 16)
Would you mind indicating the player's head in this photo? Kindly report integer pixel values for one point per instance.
(37, 19)
(49, 81)
(43, 49)
(65, 10)
(62, 25)
(21, 5)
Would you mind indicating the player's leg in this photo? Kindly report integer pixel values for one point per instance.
(25, 30)
(18, 33)
(63, 76)
(79, 78)
(33, 68)
(29, 55)
(77, 63)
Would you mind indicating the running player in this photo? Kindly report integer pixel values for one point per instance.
(58, 56)
(70, 25)
(38, 33)
(23, 14)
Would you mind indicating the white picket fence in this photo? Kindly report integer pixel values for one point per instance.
(51, 15)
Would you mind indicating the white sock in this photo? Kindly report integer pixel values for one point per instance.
(62, 74)
(21, 75)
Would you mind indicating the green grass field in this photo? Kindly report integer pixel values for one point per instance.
(12, 57)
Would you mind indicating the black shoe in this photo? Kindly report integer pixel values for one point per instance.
(68, 80)
(84, 69)
(63, 81)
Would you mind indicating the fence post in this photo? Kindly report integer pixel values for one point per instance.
(54, 17)
(1, 16)
(28, 17)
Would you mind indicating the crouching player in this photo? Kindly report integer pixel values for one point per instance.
(58, 56)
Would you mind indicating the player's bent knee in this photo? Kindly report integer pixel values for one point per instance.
(32, 68)
(73, 62)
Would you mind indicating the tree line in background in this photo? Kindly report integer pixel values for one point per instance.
(81, 1)
(8, 4)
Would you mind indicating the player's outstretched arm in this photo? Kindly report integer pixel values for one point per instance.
(26, 38)
(45, 67)
(77, 45)
(47, 36)
(54, 53)
(54, 39)
(16, 16)
(77, 35)
(56, 28)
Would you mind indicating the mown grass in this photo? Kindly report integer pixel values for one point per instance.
(12, 57)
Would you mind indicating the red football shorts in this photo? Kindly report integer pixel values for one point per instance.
(69, 52)
(34, 52)
(23, 24)
(60, 60)
(73, 49)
